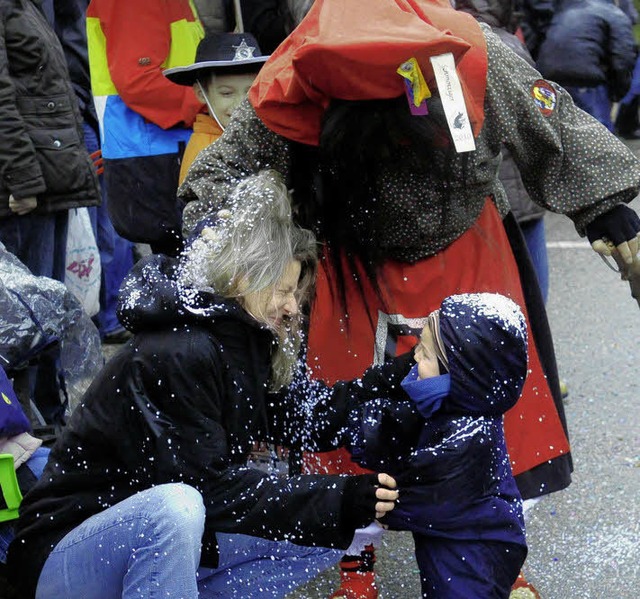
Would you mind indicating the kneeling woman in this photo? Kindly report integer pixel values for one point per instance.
(148, 492)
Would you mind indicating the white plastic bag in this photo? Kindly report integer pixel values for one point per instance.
(82, 267)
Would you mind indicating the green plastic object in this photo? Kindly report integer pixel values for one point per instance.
(10, 488)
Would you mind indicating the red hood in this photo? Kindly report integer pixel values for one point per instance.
(350, 50)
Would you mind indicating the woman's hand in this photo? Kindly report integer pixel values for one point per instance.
(368, 497)
(22, 206)
(387, 495)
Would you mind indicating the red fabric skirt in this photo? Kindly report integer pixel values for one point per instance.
(481, 260)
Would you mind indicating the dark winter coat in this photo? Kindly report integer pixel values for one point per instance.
(68, 19)
(184, 401)
(589, 43)
(447, 446)
(42, 150)
(534, 17)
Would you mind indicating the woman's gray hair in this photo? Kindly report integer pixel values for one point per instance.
(248, 250)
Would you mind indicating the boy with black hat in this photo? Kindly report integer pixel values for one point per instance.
(224, 69)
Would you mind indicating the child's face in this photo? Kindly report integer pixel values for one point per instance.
(426, 357)
(225, 92)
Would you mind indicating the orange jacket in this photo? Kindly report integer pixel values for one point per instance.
(205, 131)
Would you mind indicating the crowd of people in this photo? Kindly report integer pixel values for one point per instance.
(322, 246)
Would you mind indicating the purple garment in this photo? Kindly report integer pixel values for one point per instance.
(12, 419)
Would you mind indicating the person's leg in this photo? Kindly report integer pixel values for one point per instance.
(116, 253)
(261, 569)
(535, 238)
(627, 123)
(595, 101)
(463, 569)
(357, 577)
(145, 546)
(31, 238)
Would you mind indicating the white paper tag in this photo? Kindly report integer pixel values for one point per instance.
(444, 68)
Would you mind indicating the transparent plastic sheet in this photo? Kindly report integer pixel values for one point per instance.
(58, 312)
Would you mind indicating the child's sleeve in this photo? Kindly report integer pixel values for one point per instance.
(313, 416)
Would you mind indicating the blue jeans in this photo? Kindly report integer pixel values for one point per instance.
(39, 241)
(595, 101)
(535, 238)
(116, 253)
(149, 546)
(634, 90)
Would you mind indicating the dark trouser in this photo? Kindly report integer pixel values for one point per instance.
(467, 569)
(39, 241)
(627, 121)
(143, 203)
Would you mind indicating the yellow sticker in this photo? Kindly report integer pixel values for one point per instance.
(6, 399)
(410, 70)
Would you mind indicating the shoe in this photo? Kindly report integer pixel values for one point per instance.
(564, 390)
(117, 337)
(522, 589)
(357, 578)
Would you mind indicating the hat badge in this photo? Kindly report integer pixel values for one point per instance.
(243, 51)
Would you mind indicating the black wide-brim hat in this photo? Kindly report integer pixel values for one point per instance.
(224, 52)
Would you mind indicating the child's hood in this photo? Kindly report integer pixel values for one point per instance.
(485, 338)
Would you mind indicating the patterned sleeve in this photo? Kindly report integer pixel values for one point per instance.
(569, 162)
(245, 147)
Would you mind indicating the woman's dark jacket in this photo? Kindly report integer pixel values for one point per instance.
(589, 43)
(184, 401)
(448, 451)
(42, 151)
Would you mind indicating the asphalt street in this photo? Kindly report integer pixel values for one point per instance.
(584, 542)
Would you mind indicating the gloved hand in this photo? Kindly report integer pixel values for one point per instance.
(620, 226)
(368, 496)
(23, 205)
(98, 162)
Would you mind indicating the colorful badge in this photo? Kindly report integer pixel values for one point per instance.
(544, 96)
(416, 87)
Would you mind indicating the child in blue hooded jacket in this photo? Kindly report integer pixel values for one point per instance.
(447, 449)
